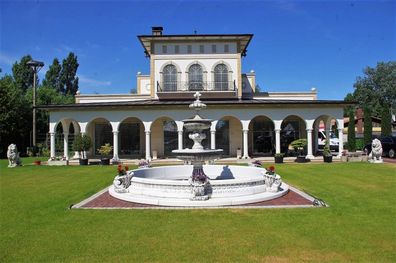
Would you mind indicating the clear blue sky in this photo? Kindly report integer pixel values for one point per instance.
(296, 45)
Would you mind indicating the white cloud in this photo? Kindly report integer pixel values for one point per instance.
(288, 6)
(6, 59)
(88, 81)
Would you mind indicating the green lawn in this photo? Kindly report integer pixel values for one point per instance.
(359, 225)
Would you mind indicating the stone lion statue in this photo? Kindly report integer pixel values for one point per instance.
(13, 156)
(375, 155)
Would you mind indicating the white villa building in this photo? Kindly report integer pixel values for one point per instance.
(149, 124)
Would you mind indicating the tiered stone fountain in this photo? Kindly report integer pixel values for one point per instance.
(197, 155)
(198, 184)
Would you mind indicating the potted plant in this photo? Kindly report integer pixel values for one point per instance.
(81, 144)
(327, 156)
(279, 157)
(299, 147)
(104, 151)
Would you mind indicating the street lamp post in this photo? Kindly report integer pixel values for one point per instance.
(35, 66)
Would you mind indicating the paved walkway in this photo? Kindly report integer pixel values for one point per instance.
(390, 160)
(103, 200)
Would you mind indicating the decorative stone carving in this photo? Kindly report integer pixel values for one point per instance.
(199, 184)
(375, 155)
(199, 190)
(122, 182)
(13, 156)
(272, 182)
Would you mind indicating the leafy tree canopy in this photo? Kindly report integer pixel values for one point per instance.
(68, 77)
(52, 77)
(377, 88)
(14, 115)
(22, 73)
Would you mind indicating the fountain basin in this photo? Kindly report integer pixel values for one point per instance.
(170, 186)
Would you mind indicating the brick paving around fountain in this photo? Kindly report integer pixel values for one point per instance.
(103, 200)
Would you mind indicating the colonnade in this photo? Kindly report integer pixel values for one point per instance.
(147, 131)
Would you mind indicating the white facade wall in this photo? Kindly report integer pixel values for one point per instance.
(208, 63)
(145, 86)
(195, 47)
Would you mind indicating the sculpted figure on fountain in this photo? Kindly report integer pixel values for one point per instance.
(122, 182)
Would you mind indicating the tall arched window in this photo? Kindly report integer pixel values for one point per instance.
(195, 77)
(221, 77)
(170, 78)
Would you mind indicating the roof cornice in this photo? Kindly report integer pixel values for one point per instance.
(146, 40)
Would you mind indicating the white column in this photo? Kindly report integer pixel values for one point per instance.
(309, 144)
(245, 144)
(212, 139)
(66, 145)
(115, 146)
(341, 141)
(52, 146)
(277, 140)
(180, 139)
(148, 146)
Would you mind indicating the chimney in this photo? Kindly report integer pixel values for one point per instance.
(157, 30)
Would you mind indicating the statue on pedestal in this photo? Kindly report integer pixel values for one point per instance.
(375, 155)
(13, 156)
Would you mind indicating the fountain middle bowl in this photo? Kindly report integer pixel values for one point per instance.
(198, 154)
(197, 125)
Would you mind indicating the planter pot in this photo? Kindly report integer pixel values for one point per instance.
(105, 161)
(37, 162)
(83, 161)
(57, 162)
(278, 159)
(301, 159)
(327, 159)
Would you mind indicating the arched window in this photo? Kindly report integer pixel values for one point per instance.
(170, 78)
(195, 78)
(221, 77)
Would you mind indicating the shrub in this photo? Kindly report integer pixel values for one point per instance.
(359, 143)
(368, 127)
(106, 149)
(299, 146)
(326, 149)
(351, 132)
(81, 144)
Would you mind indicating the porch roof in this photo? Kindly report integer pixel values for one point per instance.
(146, 103)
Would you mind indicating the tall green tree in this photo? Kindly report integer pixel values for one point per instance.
(368, 126)
(15, 116)
(377, 88)
(52, 77)
(22, 73)
(351, 131)
(69, 80)
(386, 122)
(47, 96)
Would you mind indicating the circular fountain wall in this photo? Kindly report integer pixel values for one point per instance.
(171, 186)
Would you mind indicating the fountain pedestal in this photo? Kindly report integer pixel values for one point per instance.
(197, 155)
